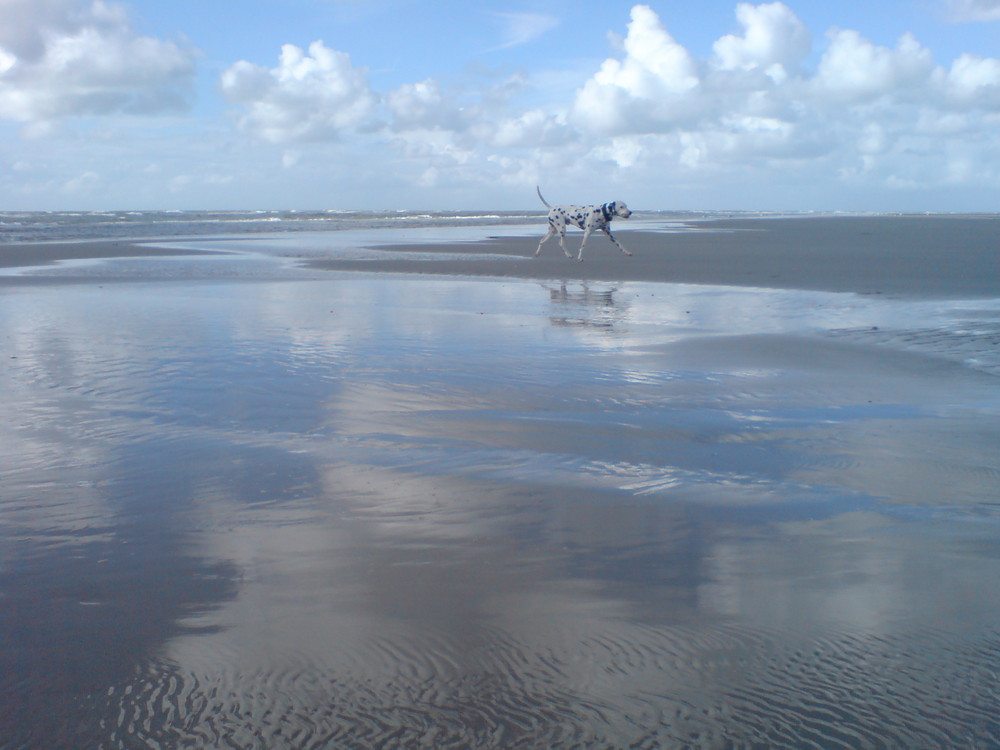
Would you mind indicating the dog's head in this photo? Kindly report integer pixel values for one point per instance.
(618, 208)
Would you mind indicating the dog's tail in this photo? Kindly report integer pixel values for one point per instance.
(539, 190)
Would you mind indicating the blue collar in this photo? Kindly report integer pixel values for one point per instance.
(606, 212)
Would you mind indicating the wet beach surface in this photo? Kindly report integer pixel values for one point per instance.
(251, 502)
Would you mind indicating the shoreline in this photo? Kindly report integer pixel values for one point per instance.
(920, 256)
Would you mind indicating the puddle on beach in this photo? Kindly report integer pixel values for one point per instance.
(375, 511)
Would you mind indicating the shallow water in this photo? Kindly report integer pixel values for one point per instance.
(371, 511)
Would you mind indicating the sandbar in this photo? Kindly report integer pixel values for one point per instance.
(902, 255)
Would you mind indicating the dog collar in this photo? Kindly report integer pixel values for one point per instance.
(606, 212)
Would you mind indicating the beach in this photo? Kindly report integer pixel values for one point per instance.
(912, 255)
(415, 487)
(944, 256)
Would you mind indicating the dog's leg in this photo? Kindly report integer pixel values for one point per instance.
(617, 243)
(548, 235)
(562, 244)
(586, 234)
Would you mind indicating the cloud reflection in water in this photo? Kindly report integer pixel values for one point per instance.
(470, 513)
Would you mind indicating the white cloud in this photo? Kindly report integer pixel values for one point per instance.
(533, 129)
(774, 40)
(62, 58)
(83, 183)
(865, 112)
(521, 28)
(964, 11)
(975, 81)
(854, 69)
(437, 147)
(654, 84)
(308, 97)
(754, 111)
(773, 111)
(422, 105)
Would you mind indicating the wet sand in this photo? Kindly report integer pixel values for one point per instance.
(911, 255)
(382, 503)
(936, 256)
(44, 253)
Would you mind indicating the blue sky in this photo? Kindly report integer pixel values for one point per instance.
(839, 105)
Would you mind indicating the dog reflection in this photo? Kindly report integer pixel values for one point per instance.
(583, 307)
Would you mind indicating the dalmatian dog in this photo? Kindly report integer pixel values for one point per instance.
(588, 218)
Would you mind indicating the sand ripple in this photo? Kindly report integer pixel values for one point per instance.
(643, 687)
(971, 338)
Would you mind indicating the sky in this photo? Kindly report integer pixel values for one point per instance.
(828, 105)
